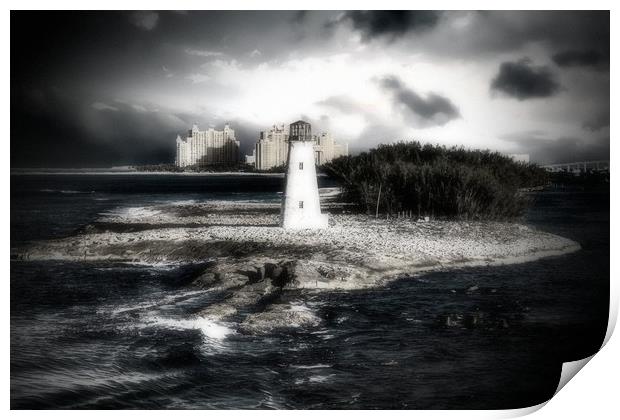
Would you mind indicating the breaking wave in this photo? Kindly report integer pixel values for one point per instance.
(211, 330)
(131, 213)
(52, 191)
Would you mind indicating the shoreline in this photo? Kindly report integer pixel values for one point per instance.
(254, 264)
(111, 173)
(355, 252)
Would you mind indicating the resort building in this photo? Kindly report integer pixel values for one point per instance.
(271, 149)
(326, 149)
(250, 159)
(209, 147)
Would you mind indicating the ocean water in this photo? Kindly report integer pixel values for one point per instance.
(105, 335)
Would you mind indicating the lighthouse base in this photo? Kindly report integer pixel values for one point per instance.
(319, 221)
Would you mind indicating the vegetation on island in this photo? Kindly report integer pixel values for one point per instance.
(236, 167)
(280, 169)
(161, 167)
(170, 167)
(436, 181)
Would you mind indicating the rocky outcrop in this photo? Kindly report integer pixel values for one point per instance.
(499, 313)
(253, 292)
(356, 251)
(280, 316)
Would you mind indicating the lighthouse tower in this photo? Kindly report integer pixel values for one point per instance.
(301, 208)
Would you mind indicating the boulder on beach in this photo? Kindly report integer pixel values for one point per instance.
(280, 316)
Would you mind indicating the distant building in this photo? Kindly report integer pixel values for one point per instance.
(578, 168)
(326, 149)
(250, 159)
(524, 158)
(272, 147)
(209, 147)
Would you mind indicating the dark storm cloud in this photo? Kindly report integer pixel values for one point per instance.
(579, 58)
(90, 82)
(432, 110)
(144, 19)
(341, 103)
(247, 133)
(473, 34)
(390, 23)
(64, 108)
(300, 16)
(544, 149)
(67, 131)
(598, 122)
(375, 134)
(523, 80)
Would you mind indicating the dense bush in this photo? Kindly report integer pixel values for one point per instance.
(280, 169)
(161, 167)
(435, 181)
(224, 167)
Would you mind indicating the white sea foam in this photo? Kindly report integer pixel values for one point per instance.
(315, 379)
(320, 378)
(319, 366)
(158, 265)
(329, 192)
(47, 190)
(155, 302)
(209, 329)
(179, 202)
(132, 213)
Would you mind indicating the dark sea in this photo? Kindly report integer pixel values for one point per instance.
(114, 336)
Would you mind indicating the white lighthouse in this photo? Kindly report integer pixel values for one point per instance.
(301, 208)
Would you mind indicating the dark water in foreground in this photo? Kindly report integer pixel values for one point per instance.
(119, 336)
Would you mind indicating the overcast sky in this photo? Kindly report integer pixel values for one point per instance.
(114, 88)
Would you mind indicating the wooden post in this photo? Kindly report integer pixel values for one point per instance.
(378, 198)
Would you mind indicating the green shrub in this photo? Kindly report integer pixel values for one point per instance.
(435, 181)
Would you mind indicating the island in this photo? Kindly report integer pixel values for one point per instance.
(253, 259)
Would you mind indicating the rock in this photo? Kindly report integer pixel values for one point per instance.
(276, 273)
(261, 272)
(474, 320)
(218, 311)
(288, 275)
(452, 320)
(206, 280)
(302, 274)
(247, 296)
(280, 316)
(231, 279)
(270, 268)
(252, 294)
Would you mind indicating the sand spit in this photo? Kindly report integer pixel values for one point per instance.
(356, 251)
(254, 261)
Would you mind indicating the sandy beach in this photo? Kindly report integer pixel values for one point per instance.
(356, 251)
